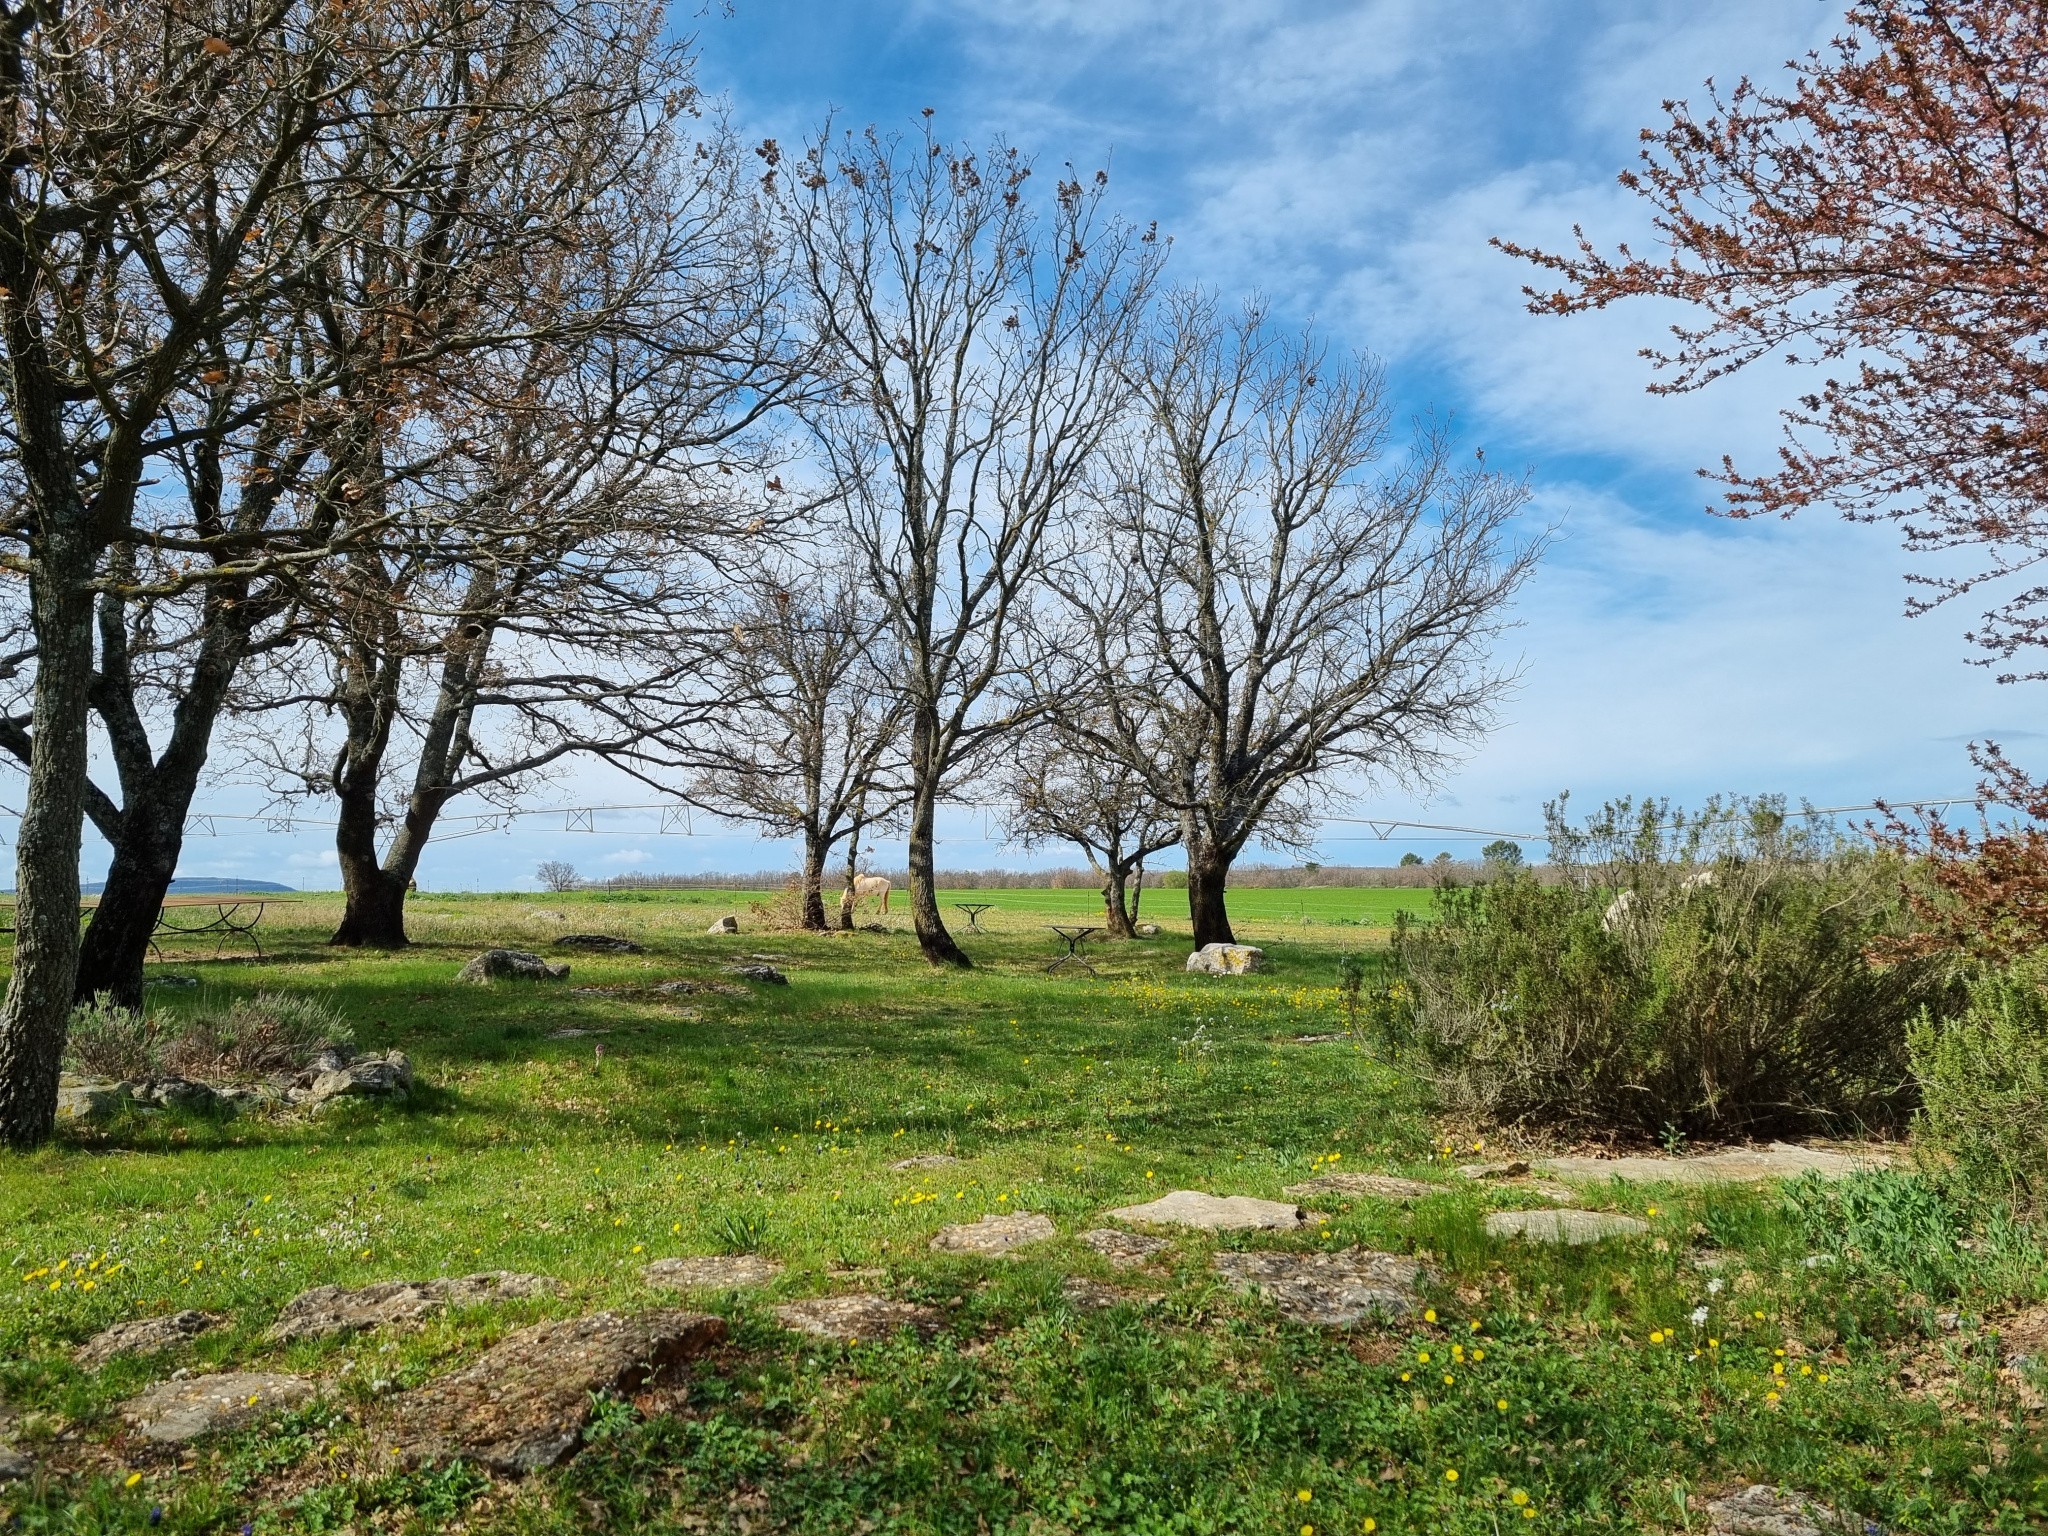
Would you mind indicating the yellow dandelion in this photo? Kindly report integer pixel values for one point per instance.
(1429, 1316)
(133, 1479)
(1305, 1495)
(1518, 1498)
(1450, 1474)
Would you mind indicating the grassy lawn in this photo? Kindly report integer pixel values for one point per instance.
(1554, 1390)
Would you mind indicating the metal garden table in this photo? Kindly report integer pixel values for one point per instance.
(1074, 937)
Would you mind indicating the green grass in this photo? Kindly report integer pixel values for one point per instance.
(769, 1121)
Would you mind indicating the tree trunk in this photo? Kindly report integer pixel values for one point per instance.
(38, 1006)
(932, 937)
(816, 851)
(116, 944)
(1116, 910)
(373, 913)
(1208, 871)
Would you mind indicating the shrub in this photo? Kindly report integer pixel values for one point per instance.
(1686, 976)
(106, 1040)
(1984, 1085)
(272, 1032)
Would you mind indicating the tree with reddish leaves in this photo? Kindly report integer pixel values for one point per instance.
(1882, 219)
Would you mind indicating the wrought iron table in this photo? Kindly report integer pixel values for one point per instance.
(973, 909)
(1073, 956)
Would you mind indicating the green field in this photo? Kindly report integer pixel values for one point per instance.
(1582, 1397)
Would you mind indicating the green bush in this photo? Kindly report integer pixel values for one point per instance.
(1173, 880)
(107, 1040)
(1695, 976)
(1984, 1086)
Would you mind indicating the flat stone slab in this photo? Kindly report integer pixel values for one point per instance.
(1569, 1227)
(995, 1234)
(1740, 1165)
(329, 1309)
(1381, 1186)
(928, 1160)
(173, 1412)
(1761, 1510)
(1126, 1250)
(712, 1271)
(856, 1318)
(1328, 1290)
(1087, 1295)
(1214, 1213)
(143, 1336)
(523, 1405)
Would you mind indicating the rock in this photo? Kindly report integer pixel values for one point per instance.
(600, 943)
(995, 1234)
(88, 1101)
(510, 965)
(856, 1318)
(928, 1160)
(388, 1076)
(522, 1406)
(1571, 1227)
(1328, 1290)
(143, 1336)
(1380, 1186)
(1740, 1165)
(245, 1098)
(1126, 1250)
(174, 1093)
(170, 979)
(711, 1272)
(1227, 959)
(725, 925)
(1146, 930)
(1086, 1295)
(1325, 1039)
(14, 1463)
(173, 1412)
(766, 974)
(329, 1309)
(1214, 1213)
(1761, 1510)
(1513, 1170)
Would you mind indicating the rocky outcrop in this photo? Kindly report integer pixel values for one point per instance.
(510, 965)
(1126, 1250)
(1328, 1290)
(856, 1318)
(143, 1336)
(995, 1235)
(328, 1309)
(712, 1271)
(1214, 1213)
(177, 1411)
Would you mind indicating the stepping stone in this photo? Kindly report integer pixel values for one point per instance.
(600, 943)
(1328, 1290)
(1740, 1165)
(1227, 959)
(1570, 1227)
(1126, 1250)
(1379, 1185)
(1214, 1213)
(328, 1309)
(714, 1271)
(1761, 1510)
(523, 1405)
(856, 1318)
(1512, 1170)
(173, 1412)
(1086, 1295)
(143, 1336)
(995, 1235)
(929, 1160)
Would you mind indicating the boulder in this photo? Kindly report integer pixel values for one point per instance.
(1328, 1290)
(724, 925)
(995, 1235)
(143, 1336)
(600, 943)
(711, 1272)
(388, 1076)
(510, 965)
(328, 1309)
(1227, 959)
(88, 1100)
(1214, 1213)
(1380, 1186)
(523, 1405)
(1761, 1510)
(766, 974)
(856, 1318)
(1126, 1250)
(173, 1412)
(1570, 1227)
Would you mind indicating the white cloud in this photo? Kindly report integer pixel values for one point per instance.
(627, 856)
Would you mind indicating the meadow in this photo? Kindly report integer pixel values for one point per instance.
(1839, 1339)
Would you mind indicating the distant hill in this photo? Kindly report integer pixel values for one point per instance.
(203, 885)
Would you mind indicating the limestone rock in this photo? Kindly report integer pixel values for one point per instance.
(711, 1272)
(600, 943)
(1086, 1295)
(329, 1309)
(1126, 1250)
(522, 1406)
(1511, 1170)
(1570, 1227)
(1146, 930)
(510, 965)
(388, 1076)
(14, 1463)
(766, 974)
(1380, 1186)
(1328, 1290)
(172, 1093)
(1227, 959)
(725, 925)
(856, 1318)
(1214, 1213)
(1738, 1165)
(143, 1336)
(173, 1412)
(927, 1160)
(88, 1101)
(1761, 1510)
(995, 1234)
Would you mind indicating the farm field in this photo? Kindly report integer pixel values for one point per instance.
(1835, 1339)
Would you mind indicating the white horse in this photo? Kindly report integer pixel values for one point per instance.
(865, 886)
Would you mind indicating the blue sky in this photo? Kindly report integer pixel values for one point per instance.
(1350, 161)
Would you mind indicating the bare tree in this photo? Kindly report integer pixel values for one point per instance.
(556, 875)
(973, 355)
(1264, 617)
(1065, 788)
(807, 737)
